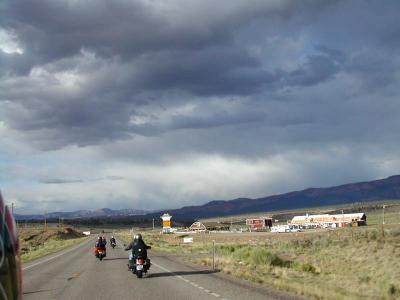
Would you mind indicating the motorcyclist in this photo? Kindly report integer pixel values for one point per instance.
(112, 241)
(99, 242)
(100, 245)
(138, 247)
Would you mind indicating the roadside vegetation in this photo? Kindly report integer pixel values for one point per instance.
(37, 242)
(348, 263)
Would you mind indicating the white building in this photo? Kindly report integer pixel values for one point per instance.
(326, 220)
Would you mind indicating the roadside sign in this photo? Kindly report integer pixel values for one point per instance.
(187, 240)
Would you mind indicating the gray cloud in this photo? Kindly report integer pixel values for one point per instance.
(14, 64)
(68, 181)
(138, 86)
(318, 68)
(125, 67)
(130, 27)
(61, 181)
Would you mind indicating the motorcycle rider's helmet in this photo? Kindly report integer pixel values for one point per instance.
(112, 236)
(137, 237)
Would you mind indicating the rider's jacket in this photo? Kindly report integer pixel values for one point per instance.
(100, 245)
(135, 246)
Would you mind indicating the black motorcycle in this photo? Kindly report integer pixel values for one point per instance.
(139, 264)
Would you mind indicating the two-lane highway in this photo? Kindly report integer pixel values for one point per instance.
(76, 274)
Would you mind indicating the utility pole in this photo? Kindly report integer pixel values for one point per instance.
(383, 214)
(342, 218)
(45, 219)
(383, 220)
(213, 255)
(153, 224)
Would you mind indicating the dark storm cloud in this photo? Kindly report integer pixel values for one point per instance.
(78, 121)
(377, 70)
(215, 120)
(89, 68)
(56, 29)
(133, 50)
(173, 98)
(318, 68)
(212, 71)
(200, 120)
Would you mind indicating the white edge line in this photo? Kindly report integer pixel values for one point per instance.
(53, 257)
(187, 281)
(179, 276)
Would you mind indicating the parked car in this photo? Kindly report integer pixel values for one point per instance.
(10, 262)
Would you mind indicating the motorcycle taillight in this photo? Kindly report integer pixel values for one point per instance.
(140, 260)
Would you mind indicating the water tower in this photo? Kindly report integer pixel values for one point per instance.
(166, 222)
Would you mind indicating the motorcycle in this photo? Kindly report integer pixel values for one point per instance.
(139, 264)
(100, 253)
(113, 244)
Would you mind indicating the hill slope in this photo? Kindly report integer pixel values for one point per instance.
(382, 189)
(84, 214)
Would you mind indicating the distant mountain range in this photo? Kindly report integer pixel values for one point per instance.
(85, 214)
(383, 189)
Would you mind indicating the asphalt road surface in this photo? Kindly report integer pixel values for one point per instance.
(76, 274)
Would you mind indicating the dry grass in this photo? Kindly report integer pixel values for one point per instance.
(351, 263)
(38, 242)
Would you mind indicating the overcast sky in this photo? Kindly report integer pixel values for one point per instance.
(160, 104)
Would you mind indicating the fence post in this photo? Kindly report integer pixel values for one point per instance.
(213, 254)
